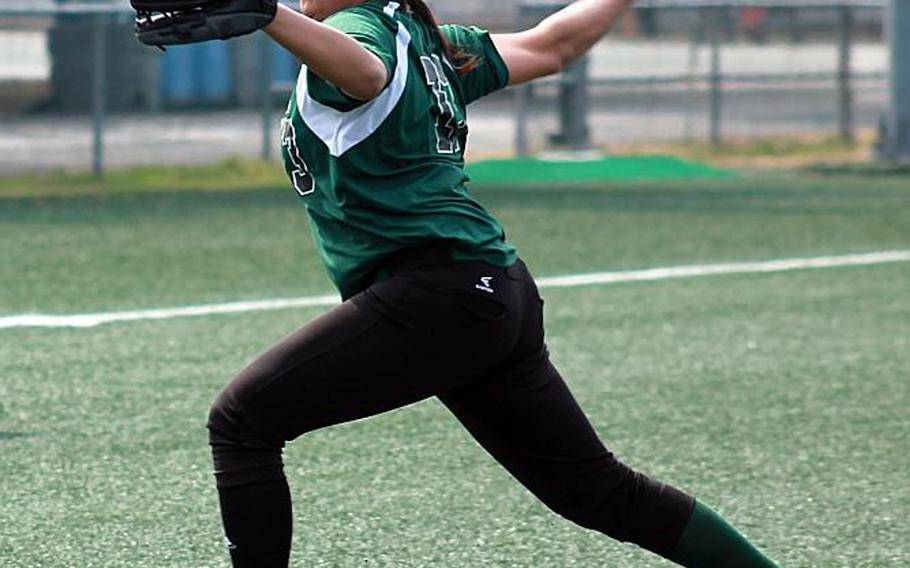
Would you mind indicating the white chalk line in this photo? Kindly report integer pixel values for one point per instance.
(574, 280)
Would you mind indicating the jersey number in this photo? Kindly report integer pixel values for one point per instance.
(446, 126)
(299, 172)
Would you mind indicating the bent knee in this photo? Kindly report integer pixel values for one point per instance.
(238, 419)
(225, 418)
(248, 397)
(242, 453)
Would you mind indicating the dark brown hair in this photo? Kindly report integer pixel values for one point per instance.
(462, 61)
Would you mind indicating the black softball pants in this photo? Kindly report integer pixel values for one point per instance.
(466, 332)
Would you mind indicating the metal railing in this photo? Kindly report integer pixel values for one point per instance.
(102, 15)
(575, 83)
(575, 86)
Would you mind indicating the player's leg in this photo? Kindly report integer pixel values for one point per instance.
(527, 418)
(529, 421)
(401, 342)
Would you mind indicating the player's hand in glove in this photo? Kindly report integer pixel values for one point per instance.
(173, 22)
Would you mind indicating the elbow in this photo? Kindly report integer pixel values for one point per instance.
(369, 83)
(377, 80)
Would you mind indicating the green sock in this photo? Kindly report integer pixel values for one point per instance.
(708, 541)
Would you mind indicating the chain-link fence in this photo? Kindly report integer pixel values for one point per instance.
(77, 90)
(715, 71)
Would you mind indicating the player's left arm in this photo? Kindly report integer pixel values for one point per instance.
(558, 40)
(331, 54)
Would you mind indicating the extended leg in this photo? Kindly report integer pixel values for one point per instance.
(528, 420)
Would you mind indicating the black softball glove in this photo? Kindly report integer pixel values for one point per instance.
(173, 22)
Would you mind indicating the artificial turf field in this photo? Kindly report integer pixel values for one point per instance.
(782, 399)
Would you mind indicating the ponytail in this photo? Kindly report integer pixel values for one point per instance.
(463, 62)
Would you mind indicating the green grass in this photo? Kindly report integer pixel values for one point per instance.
(781, 399)
(774, 152)
(245, 174)
(537, 171)
(810, 148)
(775, 146)
(228, 175)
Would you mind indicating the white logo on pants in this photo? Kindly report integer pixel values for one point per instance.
(486, 284)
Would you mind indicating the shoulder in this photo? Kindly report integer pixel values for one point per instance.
(466, 36)
(482, 69)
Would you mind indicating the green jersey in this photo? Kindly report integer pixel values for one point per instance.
(388, 174)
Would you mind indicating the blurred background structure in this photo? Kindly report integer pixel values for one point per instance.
(77, 91)
(895, 140)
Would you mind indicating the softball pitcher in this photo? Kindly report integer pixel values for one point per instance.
(437, 302)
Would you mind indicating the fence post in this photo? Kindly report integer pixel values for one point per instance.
(716, 79)
(99, 90)
(522, 102)
(697, 41)
(844, 75)
(796, 30)
(265, 79)
(573, 107)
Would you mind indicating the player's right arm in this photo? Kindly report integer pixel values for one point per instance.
(329, 53)
(558, 40)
